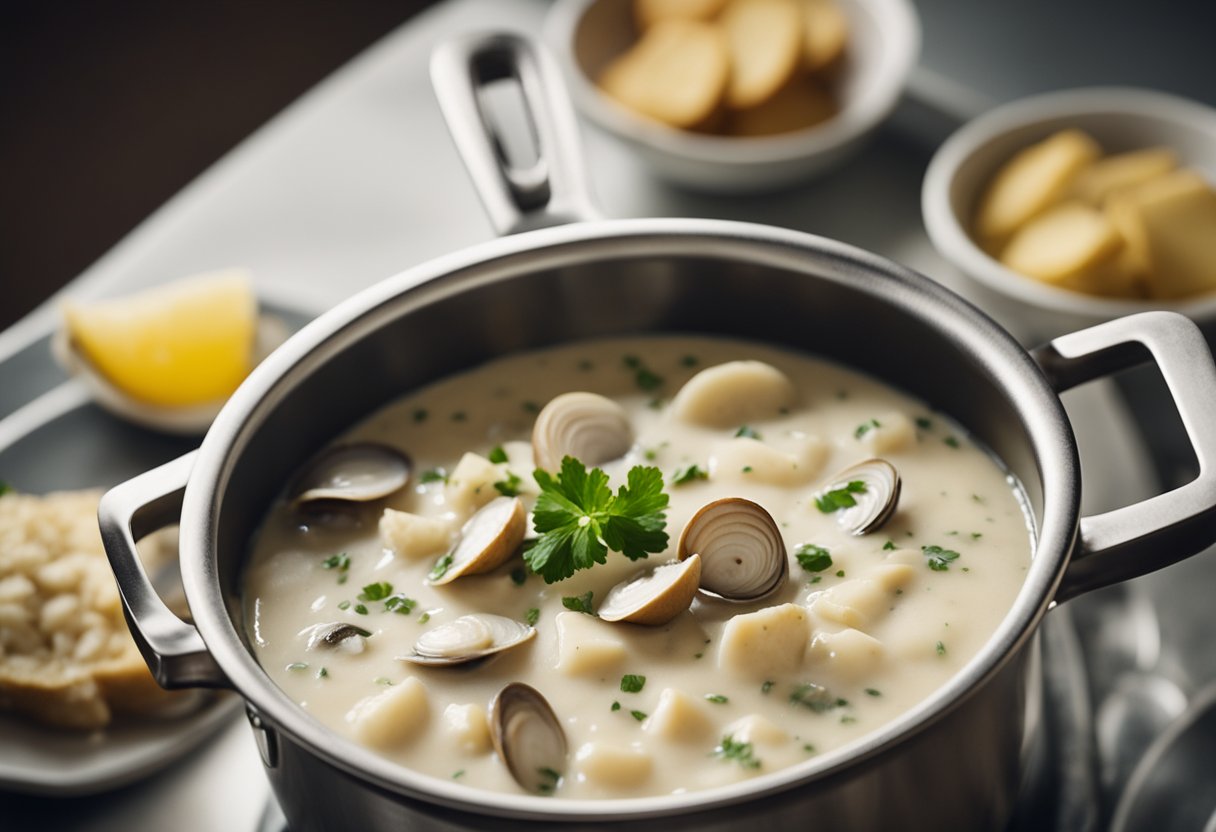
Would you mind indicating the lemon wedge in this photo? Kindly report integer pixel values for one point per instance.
(182, 344)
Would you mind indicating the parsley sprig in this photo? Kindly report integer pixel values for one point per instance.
(579, 518)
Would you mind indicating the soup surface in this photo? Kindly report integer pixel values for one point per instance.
(864, 628)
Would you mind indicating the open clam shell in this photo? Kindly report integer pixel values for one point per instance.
(357, 473)
(468, 638)
(528, 738)
(488, 539)
(192, 420)
(743, 556)
(871, 486)
(656, 596)
(586, 426)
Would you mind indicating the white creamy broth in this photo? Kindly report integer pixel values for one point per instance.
(878, 629)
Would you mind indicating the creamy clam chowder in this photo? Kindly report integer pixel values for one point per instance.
(854, 629)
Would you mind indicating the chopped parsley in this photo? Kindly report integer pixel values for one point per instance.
(813, 558)
(532, 616)
(631, 683)
(530, 407)
(767, 687)
(457, 774)
(889, 546)
(433, 475)
(399, 604)
(441, 567)
(747, 432)
(425, 617)
(550, 780)
(873, 692)
(510, 486)
(383, 680)
(322, 673)
(579, 603)
(689, 474)
(616, 706)
(816, 698)
(740, 752)
(579, 518)
(716, 698)
(839, 573)
(420, 414)
(976, 535)
(689, 361)
(866, 427)
(838, 498)
(941, 649)
(361, 609)
(645, 378)
(459, 416)
(638, 715)
(951, 441)
(376, 592)
(923, 423)
(519, 576)
(344, 605)
(340, 561)
(939, 559)
(497, 455)
(747, 469)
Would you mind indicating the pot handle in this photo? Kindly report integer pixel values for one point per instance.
(1135, 540)
(173, 649)
(552, 190)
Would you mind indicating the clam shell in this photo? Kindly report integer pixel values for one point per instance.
(743, 556)
(337, 635)
(656, 596)
(468, 638)
(359, 472)
(488, 539)
(586, 426)
(528, 738)
(873, 506)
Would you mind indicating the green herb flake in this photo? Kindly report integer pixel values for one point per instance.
(847, 719)
(586, 365)
(298, 666)
(457, 774)
(376, 592)
(322, 673)
(616, 706)
(808, 748)
(631, 361)
(976, 535)
(889, 546)
(459, 416)
(689, 361)
(689, 474)
(519, 576)
(497, 455)
(747, 469)
(638, 715)
(344, 605)
(924, 423)
(716, 698)
(340, 561)
(815, 579)
(384, 681)
(425, 617)
(747, 432)
(549, 782)
(941, 649)
(739, 752)
(579, 603)
(767, 687)
(813, 558)
(815, 698)
(839, 573)
(399, 604)
(441, 567)
(866, 427)
(631, 683)
(433, 475)
(873, 692)
(420, 415)
(838, 498)
(648, 379)
(952, 442)
(579, 518)
(939, 559)
(510, 486)
(361, 609)
(532, 616)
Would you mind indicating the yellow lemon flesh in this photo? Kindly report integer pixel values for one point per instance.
(182, 344)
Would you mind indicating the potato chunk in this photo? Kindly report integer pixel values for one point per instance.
(766, 642)
(827, 34)
(586, 645)
(676, 73)
(1120, 171)
(764, 38)
(613, 766)
(857, 602)
(1029, 183)
(468, 727)
(649, 12)
(749, 460)
(893, 432)
(795, 106)
(850, 654)
(1174, 217)
(391, 718)
(414, 536)
(679, 718)
(1062, 244)
(730, 394)
(471, 484)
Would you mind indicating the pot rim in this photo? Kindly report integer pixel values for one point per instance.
(997, 352)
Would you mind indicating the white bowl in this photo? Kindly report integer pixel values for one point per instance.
(884, 41)
(1119, 119)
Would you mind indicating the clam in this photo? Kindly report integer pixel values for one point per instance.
(528, 738)
(189, 420)
(586, 426)
(656, 596)
(487, 540)
(468, 638)
(339, 635)
(356, 473)
(743, 557)
(861, 509)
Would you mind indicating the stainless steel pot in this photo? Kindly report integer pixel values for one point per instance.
(953, 762)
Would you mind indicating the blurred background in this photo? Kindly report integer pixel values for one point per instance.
(108, 109)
